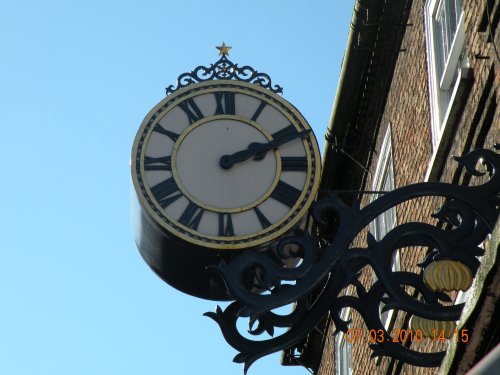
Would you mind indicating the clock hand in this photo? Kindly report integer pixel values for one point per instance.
(258, 150)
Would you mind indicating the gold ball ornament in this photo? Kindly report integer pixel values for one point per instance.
(447, 275)
(433, 328)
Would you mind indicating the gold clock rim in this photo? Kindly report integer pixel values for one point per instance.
(245, 241)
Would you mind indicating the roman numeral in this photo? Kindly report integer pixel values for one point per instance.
(191, 216)
(157, 164)
(192, 111)
(229, 107)
(286, 194)
(226, 228)
(264, 222)
(166, 192)
(294, 163)
(285, 132)
(258, 111)
(160, 129)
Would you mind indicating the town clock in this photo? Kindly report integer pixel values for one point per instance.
(219, 166)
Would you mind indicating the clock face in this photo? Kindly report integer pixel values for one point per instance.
(225, 165)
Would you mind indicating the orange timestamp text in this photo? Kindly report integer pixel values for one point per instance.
(405, 335)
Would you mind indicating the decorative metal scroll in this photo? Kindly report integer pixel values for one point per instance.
(327, 268)
(224, 69)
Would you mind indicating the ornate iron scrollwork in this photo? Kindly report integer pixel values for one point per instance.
(224, 69)
(327, 267)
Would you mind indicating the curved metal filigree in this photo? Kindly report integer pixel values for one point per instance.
(224, 69)
(328, 268)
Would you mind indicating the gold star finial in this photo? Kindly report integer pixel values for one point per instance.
(223, 50)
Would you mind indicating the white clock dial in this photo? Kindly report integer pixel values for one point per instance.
(228, 189)
(226, 165)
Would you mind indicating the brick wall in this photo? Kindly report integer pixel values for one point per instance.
(407, 113)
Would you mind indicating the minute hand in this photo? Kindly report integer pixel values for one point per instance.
(258, 150)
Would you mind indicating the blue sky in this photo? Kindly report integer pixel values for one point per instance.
(76, 80)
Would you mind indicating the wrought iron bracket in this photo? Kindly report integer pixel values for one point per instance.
(326, 267)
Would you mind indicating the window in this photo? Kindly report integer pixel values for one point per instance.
(446, 23)
(447, 66)
(343, 350)
(384, 181)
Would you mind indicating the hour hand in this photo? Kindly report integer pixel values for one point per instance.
(258, 150)
(255, 149)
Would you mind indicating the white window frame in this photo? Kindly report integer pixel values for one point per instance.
(343, 349)
(443, 87)
(383, 171)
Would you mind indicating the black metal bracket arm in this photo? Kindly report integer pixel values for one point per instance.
(325, 268)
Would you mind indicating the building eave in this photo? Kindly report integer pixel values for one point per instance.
(373, 47)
